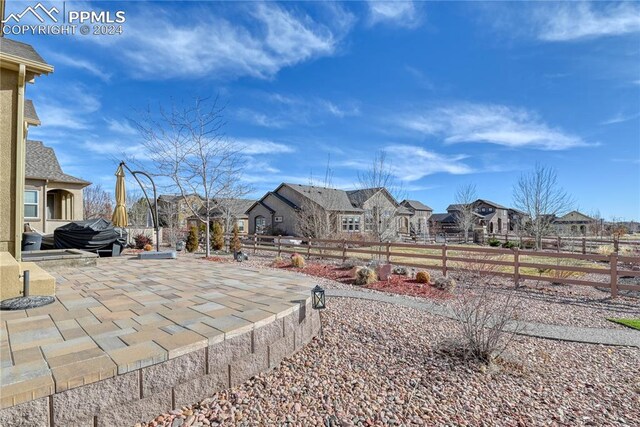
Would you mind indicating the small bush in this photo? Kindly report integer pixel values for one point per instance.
(349, 263)
(277, 260)
(141, 241)
(217, 237)
(423, 277)
(528, 244)
(366, 276)
(148, 247)
(509, 245)
(235, 244)
(192, 240)
(494, 242)
(446, 284)
(297, 261)
(401, 271)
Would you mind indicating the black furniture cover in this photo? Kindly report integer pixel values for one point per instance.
(89, 235)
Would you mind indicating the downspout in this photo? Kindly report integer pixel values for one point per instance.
(20, 159)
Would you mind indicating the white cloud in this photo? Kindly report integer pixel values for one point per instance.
(203, 43)
(402, 161)
(399, 13)
(285, 110)
(121, 126)
(620, 118)
(60, 59)
(404, 158)
(115, 148)
(579, 20)
(492, 124)
(253, 146)
(71, 108)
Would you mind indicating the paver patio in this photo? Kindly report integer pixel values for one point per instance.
(126, 314)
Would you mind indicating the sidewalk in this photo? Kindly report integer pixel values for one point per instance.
(617, 337)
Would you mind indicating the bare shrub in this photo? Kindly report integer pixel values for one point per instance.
(487, 322)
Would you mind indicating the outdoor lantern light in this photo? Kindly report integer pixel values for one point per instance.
(317, 294)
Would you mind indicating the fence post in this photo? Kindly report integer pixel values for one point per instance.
(516, 266)
(388, 251)
(255, 243)
(584, 245)
(559, 243)
(344, 250)
(279, 245)
(613, 264)
(309, 249)
(444, 259)
(616, 243)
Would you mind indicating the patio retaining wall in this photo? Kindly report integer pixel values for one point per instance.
(142, 394)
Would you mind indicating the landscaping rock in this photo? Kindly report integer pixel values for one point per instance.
(445, 284)
(383, 271)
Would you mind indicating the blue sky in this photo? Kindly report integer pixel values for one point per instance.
(455, 92)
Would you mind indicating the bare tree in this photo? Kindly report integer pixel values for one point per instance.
(465, 215)
(137, 208)
(96, 202)
(380, 212)
(538, 194)
(188, 147)
(315, 221)
(169, 218)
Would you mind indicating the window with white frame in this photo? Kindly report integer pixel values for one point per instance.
(240, 224)
(31, 203)
(350, 223)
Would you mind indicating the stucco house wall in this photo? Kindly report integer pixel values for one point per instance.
(8, 118)
(69, 204)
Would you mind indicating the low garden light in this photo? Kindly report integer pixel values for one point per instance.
(318, 302)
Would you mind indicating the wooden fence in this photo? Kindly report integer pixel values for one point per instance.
(584, 245)
(517, 264)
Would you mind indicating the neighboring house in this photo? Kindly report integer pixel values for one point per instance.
(228, 212)
(278, 211)
(419, 219)
(52, 198)
(174, 210)
(383, 215)
(496, 218)
(443, 223)
(574, 224)
(517, 220)
(19, 64)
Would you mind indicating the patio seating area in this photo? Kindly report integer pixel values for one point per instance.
(130, 338)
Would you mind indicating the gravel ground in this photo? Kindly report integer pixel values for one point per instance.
(543, 302)
(380, 364)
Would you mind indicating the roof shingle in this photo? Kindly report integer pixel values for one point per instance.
(42, 163)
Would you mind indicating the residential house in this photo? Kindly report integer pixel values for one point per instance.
(574, 224)
(419, 218)
(228, 212)
(440, 223)
(384, 217)
(52, 198)
(19, 64)
(491, 215)
(174, 209)
(278, 211)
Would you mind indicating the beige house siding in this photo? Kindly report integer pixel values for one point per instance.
(68, 204)
(8, 134)
(259, 211)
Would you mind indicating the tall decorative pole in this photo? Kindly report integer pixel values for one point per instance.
(154, 209)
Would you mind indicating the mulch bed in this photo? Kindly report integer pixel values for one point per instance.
(396, 284)
(218, 259)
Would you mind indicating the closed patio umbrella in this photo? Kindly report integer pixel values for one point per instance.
(120, 217)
